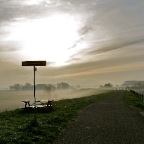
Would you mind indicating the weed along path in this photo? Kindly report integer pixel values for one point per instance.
(109, 121)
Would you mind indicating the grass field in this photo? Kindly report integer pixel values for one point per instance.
(134, 101)
(10, 100)
(21, 127)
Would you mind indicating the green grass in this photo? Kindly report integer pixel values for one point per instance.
(133, 101)
(20, 127)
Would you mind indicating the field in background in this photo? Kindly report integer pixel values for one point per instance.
(10, 100)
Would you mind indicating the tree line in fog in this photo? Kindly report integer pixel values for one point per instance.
(133, 84)
(29, 86)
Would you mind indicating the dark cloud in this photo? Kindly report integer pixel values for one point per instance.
(83, 32)
(114, 46)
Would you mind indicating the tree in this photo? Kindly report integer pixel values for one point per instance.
(108, 85)
(27, 86)
(41, 86)
(15, 87)
(63, 85)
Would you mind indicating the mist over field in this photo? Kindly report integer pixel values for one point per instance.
(10, 100)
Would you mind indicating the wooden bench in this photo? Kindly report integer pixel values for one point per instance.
(38, 104)
(47, 103)
(27, 103)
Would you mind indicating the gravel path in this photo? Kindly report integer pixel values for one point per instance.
(108, 121)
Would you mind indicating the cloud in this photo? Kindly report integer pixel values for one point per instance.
(85, 30)
(9, 10)
(110, 28)
(114, 63)
(106, 70)
(7, 49)
(9, 46)
(82, 33)
(104, 47)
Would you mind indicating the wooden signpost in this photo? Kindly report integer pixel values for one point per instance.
(34, 64)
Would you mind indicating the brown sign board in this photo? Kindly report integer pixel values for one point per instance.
(34, 63)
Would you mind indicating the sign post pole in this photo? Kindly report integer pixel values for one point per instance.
(34, 83)
(34, 68)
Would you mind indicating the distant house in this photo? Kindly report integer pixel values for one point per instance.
(133, 83)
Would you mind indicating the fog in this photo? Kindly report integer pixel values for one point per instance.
(10, 100)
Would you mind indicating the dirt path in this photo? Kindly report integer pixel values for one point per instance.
(108, 121)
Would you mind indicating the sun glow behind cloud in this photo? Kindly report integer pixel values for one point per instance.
(48, 39)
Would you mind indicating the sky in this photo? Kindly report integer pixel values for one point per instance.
(89, 43)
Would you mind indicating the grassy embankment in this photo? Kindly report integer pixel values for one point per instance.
(19, 127)
(133, 101)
